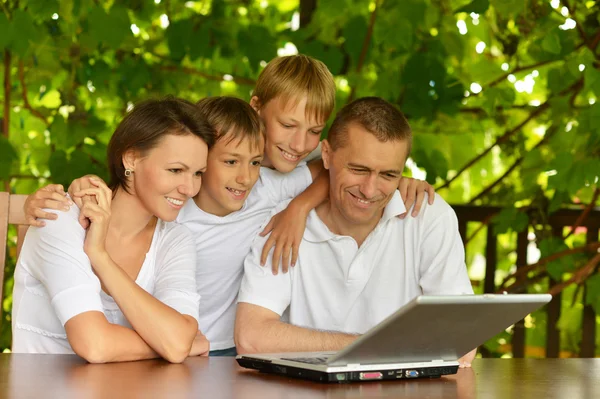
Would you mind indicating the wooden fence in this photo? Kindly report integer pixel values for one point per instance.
(557, 221)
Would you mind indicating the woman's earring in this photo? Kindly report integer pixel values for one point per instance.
(128, 172)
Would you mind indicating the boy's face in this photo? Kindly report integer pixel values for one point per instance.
(291, 136)
(232, 170)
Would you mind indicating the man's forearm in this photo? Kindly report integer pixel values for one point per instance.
(277, 336)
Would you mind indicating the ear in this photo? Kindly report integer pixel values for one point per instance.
(326, 153)
(255, 103)
(130, 158)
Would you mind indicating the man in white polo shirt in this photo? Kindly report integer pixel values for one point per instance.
(358, 262)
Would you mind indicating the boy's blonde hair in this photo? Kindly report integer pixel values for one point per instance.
(232, 117)
(292, 77)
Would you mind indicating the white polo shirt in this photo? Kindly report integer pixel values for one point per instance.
(338, 286)
(54, 281)
(222, 243)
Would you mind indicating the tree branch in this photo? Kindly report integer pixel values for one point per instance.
(192, 71)
(26, 104)
(489, 188)
(516, 70)
(509, 133)
(521, 272)
(6, 118)
(365, 47)
(579, 276)
(483, 224)
(501, 139)
(585, 213)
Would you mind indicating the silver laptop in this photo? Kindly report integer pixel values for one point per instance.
(422, 339)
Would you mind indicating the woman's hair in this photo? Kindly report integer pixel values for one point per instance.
(293, 77)
(232, 118)
(146, 125)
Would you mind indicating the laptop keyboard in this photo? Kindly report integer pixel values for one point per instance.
(307, 360)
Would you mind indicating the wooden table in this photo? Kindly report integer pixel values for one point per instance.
(64, 376)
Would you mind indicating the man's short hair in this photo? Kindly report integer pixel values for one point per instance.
(232, 117)
(293, 77)
(374, 114)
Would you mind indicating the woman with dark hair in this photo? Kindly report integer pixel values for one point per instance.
(125, 288)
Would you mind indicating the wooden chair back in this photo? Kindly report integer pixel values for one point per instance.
(11, 212)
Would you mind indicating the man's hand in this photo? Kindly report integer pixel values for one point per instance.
(52, 196)
(412, 192)
(467, 359)
(287, 229)
(200, 346)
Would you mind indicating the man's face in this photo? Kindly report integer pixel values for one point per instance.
(232, 170)
(291, 135)
(364, 174)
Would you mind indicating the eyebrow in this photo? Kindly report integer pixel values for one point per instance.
(179, 163)
(322, 125)
(357, 166)
(235, 154)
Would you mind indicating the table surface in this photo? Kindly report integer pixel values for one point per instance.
(66, 376)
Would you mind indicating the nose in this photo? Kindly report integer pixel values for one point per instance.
(243, 176)
(368, 187)
(298, 143)
(187, 186)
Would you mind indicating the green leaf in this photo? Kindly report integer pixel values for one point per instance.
(551, 43)
(5, 31)
(510, 219)
(112, 28)
(560, 266)
(591, 80)
(559, 198)
(200, 42)
(23, 34)
(354, 32)
(257, 44)
(509, 7)
(8, 156)
(42, 9)
(178, 36)
(592, 296)
(476, 6)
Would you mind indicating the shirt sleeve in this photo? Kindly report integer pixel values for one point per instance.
(54, 256)
(442, 254)
(259, 286)
(283, 186)
(175, 282)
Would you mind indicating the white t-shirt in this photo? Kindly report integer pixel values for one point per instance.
(338, 286)
(54, 281)
(222, 243)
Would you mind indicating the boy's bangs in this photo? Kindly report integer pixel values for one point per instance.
(234, 132)
(318, 106)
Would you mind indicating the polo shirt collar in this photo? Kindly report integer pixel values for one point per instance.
(317, 231)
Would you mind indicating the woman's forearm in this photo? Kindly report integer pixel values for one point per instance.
(164, 329)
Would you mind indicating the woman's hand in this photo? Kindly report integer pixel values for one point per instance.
(200, 346)
(78, 185)
(412, 192)
(52, 196)
(98, 213)
(287, 229)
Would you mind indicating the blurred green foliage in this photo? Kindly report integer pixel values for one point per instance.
(501, 95)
